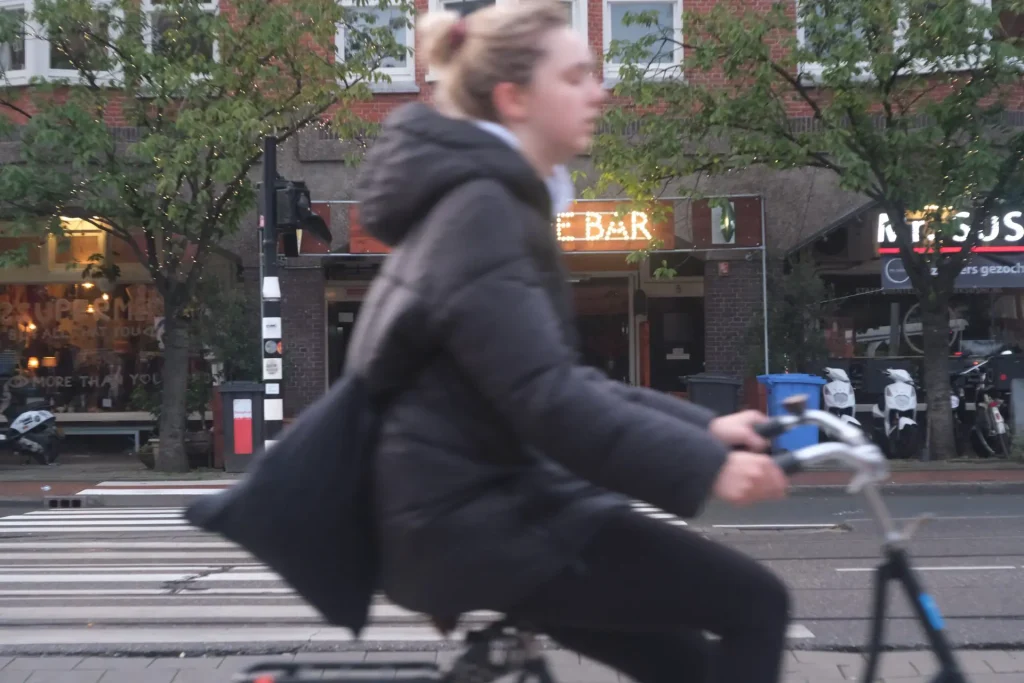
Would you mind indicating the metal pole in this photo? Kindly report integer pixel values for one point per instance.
(270, 293)
(764, 287)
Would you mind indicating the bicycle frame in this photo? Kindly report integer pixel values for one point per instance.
(872, 470)
(897, 568)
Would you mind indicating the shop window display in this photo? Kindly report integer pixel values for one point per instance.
(84, 348)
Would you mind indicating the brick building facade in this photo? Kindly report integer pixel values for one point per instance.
(698, 322)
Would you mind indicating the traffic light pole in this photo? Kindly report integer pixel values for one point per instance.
(270, 290)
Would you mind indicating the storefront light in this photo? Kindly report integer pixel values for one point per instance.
(88, 285)
(106, 297)
(31, 327)
(49, 361)
(90, 309)
(33, 363)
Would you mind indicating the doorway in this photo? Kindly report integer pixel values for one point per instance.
(603, 318)
(341, 320)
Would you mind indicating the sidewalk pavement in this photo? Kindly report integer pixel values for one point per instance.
(33, 484)
(801, 666)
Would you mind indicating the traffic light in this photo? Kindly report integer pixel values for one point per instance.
(295, 212)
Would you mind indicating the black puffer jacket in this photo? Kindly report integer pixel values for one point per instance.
(498, 457)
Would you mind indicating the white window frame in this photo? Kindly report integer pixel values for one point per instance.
(814, 70)
(151, 8)
(611, 69)
(21, 76)
(579, 17)
(71, 75)
(399, 75)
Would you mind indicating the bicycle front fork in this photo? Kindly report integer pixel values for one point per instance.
(897, 568)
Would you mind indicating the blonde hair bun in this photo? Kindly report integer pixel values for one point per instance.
(436, 31)
(496, 44)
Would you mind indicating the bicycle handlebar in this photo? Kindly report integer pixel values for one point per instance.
(852, 447)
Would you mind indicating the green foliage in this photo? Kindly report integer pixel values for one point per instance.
(907, 102)
(227, 325)
(797, 308)
(149, 398)
(155, 134)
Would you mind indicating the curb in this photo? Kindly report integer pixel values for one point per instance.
(926, 489)
(796, 491)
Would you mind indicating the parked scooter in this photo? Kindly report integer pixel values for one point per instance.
(838, 396)
(896, 428)
(31, 429)
(988, 431)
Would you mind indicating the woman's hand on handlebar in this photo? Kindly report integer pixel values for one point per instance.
(737, 430)
(748, 478)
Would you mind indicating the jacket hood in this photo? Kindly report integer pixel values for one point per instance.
(421, 155)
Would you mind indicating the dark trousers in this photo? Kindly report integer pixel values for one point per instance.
(644, 592)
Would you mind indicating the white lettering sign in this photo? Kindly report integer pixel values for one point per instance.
(604, 226)
(1007, 226)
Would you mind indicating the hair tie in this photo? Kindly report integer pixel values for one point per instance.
(457, 36)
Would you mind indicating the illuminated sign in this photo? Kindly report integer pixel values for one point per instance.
(603, 226)
(1005, 233)
(600, 226)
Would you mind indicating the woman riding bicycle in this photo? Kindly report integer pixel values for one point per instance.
(502, 461)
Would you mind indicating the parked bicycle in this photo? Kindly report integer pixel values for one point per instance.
(506, 648)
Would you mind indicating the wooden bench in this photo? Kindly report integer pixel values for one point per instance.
(107, 429)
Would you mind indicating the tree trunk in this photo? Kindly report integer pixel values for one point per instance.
(172, 457)
(935, 332)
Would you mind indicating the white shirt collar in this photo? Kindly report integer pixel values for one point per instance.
(560, 186)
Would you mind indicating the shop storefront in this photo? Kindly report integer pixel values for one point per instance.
(634, 327)
(877, 319)
(92, 347)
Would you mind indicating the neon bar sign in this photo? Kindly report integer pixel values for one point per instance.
(603, 226)
(1007, 230)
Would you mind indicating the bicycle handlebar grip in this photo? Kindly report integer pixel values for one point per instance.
(770, 429)
(788, 463)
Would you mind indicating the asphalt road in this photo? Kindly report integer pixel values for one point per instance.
(105, 581)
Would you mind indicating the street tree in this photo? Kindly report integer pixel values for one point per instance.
(909, 102)
(197, 90)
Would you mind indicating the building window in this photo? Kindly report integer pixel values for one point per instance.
(85, 347)
(12, 52)
(356, 39)
(840, 17)
(576, 10)
(174, 32)
(465, 7)
(663, 55)
(76, 51)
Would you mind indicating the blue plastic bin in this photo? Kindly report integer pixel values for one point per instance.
(781, 387)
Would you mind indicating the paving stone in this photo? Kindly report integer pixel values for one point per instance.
(186, 662)
(593, 672)
(200, 675)
(14, 676)
(353, 656)
(4, 661)
(378, 657)
(140, 676)
(43, 663)
(894, 665)
(1004, 662)
(834, 658)
(53, 676)
(114, 663)
(240, 663)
